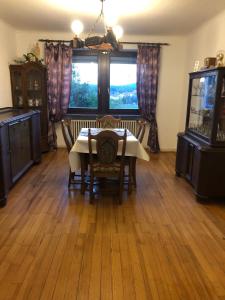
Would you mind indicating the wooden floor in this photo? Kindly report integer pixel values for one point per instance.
(159, 244)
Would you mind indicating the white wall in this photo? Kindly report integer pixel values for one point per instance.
(206, 40)
(176, 61)
(171, 83)
(7, 54)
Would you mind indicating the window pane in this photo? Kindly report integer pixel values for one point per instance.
(123, 93)
(84, 85)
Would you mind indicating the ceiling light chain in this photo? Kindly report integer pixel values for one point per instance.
(100, 16)
(107, 42)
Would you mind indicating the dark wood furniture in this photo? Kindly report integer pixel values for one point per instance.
(74, 178)
(132, 161)
(19, 146)
(105, 163)
(201, 149)
(108, 121)
(29, 90)
(141, 130)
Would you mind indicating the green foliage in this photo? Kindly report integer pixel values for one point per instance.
(29, 57)
(85, 95)
(82, 94)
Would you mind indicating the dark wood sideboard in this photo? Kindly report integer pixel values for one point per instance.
(20, 146)
(201, 148)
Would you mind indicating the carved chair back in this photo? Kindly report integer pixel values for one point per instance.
(106, 163)
(141, 130)
(67, 134)
(108, 121)
(107, 143)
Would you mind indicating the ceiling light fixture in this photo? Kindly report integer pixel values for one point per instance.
(108, 42)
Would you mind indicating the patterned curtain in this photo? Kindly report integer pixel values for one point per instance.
(147, 85)
(58, 59)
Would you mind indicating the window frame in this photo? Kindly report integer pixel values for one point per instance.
(103, 60)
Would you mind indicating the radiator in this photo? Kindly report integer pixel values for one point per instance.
(76, 126)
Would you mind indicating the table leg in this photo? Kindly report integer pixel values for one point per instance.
(82, 171)
(130, 173)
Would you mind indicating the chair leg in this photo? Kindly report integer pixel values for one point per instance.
(121, 183)
(134, 159)
(71, 176)
(91, 188)
(130, 172)
(82, 160)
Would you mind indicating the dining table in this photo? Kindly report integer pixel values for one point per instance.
(80, 149)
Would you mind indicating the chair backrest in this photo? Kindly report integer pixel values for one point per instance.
(141, 130)
(108, 121)
(67, 133)
(107, 143)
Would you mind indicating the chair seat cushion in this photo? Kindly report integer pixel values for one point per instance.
(112, 169)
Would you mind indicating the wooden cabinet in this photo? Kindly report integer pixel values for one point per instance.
(29, 90)
(206, 106)
(201, 148)
(19, 146)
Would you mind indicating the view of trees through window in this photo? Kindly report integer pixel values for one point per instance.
(122, 89)
(123, 93)
(84, 86)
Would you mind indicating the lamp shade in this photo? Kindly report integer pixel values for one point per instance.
(118, 31)
(77, 27)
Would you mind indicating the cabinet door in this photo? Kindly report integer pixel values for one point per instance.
(20, 147)
(202, 101)
(188, 160)
(33, 87)
(17, 87)
(182, 156)
(36, 95)
(5, 172)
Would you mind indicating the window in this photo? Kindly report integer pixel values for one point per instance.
(104, 83)
(84, 87)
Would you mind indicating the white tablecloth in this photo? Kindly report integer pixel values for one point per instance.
(133, 148)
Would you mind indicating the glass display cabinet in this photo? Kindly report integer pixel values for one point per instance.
(201, 148)
(206, 106)
(29, 90)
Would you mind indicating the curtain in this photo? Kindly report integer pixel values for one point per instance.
(58, 59)
(147, 85)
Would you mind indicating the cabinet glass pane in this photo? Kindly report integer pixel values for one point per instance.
(202, 105)
(17, 86)
(221, 123)
(34, 88)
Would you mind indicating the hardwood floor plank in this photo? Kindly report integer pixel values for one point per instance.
(159, 244)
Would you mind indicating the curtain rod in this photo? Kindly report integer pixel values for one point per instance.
(140, 43)
(128, 43)
(54, 41)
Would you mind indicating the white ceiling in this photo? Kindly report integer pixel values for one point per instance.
(153, 17)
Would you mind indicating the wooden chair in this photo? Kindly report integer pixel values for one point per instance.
(108, 121)
(141, 130)
(106, 163)
(131, 161)
(67, 134)
(69, 141)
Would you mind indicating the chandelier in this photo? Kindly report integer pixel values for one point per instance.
(107, 42)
